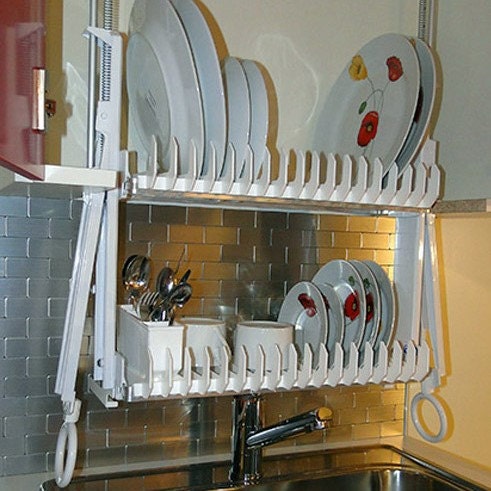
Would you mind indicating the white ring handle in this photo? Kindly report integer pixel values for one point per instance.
(441, 416)
(64, 468)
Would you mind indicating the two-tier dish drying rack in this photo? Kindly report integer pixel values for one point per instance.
(126, 370)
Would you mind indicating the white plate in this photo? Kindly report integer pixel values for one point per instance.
(348, 284)
(335, 315)
(388, 309)
(209, 78)
(304, 307)
(238, 113)
(360, 97)
(162, 82)
(424, 109)
(259, 112)
(373, 305)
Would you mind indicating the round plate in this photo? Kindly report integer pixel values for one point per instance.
(387, 300)
(259, 112)
(370, 108)
(238, 113)
(304, 307)
(163, 87)
(348, 284)
(424, 109)
(209, 78)
(373, 305)
(335, 315)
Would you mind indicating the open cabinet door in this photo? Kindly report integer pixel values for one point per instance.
(22, 39)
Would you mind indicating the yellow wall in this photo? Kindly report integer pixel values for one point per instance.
(465, 269)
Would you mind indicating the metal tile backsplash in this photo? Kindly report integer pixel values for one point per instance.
(242, 262)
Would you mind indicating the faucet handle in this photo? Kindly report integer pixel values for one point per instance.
(324, 415)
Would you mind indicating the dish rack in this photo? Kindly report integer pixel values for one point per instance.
(155, 371)
(318, 179)
(154, 362)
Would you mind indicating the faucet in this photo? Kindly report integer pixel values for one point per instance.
(249, 437)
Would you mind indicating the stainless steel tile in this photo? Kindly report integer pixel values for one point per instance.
(27, 267)
(22, 347)
(63, 229)
(24, 425)
(49, 208)
(13, 287)
(47, 287)
(13, 206)
(13, 247)
(50, 248)
(27, 227)
(25, 386)
(27, 307)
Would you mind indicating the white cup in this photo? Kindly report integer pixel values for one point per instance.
(267, 336)
(201, 334)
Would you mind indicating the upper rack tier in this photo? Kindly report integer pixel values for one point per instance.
(305, 180)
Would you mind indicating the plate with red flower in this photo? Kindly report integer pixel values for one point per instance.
(388, 307)
(369, 110)
(335, 315)
(373, 305)
(424, 109)
(305, 308)
(348, 285)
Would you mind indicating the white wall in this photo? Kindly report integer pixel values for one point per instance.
(463, 43)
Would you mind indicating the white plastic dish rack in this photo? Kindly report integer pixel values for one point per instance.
(317, 180)
(119, 375)
(154, 362)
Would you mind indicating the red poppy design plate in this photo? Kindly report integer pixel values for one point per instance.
(348, 284)
(369, 110)
(304, 307)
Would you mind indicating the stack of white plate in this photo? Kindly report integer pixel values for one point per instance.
(381, 104)
(347, 303)
(178, 89)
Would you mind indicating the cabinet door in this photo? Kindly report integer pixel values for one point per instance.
(22, 34)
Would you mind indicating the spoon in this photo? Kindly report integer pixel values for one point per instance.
(136, 273)
(165, 281)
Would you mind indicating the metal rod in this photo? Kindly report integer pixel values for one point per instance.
(91, 86)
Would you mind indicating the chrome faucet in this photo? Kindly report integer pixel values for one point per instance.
(249, 437)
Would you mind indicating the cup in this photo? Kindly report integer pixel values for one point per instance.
(201, 334)
(270, 336)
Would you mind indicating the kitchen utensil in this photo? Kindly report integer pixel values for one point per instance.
(424, 110)
(267, 336)
(163, 88)
(304, 308)
(165, 281)
(348, 284)
(238, 115)
(209, 77)
(369, 111)
(259, 107)
(136, 273)
(203, 334)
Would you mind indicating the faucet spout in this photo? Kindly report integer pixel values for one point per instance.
(249, 437)
(317, 419)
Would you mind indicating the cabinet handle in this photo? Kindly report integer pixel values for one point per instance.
(38, 122)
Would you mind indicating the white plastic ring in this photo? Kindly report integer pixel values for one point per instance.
(441, 416)
(64, 467)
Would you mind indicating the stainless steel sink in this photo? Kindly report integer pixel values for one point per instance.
(380, 468)
(383, 479)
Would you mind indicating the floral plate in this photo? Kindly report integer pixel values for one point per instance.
(304, 307)
(348, 284)
(369, 111)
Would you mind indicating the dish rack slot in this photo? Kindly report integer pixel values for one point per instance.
(156, 363)
(317, 177)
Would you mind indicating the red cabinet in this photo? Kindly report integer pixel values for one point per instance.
(22, 36)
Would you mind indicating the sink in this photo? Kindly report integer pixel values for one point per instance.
(374, 468)
(382, 479)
